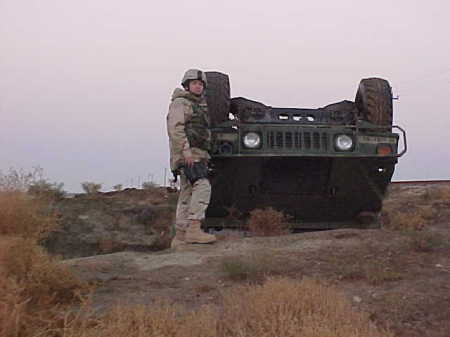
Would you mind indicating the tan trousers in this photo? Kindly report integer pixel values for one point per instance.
(193, 200)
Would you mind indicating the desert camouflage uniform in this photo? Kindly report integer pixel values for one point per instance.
(189, 136)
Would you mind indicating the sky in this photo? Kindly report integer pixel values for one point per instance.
(85, 85)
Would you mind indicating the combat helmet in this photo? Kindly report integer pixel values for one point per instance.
(193, 74)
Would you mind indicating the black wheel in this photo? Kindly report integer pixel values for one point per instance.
(218, 96)
(247, 110)
(374, 101)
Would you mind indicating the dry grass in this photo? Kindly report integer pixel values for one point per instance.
(438, 195)
(416, 211)
(33, 286)
(268, 222)
(404, 220)
(280, 307)
(426, 241)
(283, 307)
(22, 215)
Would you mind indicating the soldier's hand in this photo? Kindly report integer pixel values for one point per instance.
(189, 161)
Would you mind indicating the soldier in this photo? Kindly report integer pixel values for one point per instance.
(190, 141)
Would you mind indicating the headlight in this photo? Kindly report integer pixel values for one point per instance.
(252, 140)
(343, 142)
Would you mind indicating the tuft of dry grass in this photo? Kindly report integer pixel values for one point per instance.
(268, 222)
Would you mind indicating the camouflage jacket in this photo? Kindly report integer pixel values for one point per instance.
(188, 128)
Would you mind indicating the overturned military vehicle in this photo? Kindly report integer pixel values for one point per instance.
(326, 168)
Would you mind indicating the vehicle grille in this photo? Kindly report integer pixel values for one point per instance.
(314, 141)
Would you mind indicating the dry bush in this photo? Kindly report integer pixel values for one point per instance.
(45, 190)
(283, 307)
(21, 215)
(43, 277)
(90, 187)
(19, 180)
(34, 288)
(268, 222)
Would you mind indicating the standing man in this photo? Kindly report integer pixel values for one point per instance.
(190, 141)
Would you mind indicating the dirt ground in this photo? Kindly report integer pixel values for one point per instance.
(400, 277)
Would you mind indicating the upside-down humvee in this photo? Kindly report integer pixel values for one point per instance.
(326, 168)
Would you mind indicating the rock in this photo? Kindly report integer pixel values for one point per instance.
(357, 299)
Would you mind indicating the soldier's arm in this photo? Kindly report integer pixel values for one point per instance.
(176, 120)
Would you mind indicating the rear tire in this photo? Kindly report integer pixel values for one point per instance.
(374, 101)
(218, 97)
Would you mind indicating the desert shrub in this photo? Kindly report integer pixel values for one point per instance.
(43, 277)
(283, 307)
(34, 289)
(21, 215)
(19, 179)
(267, 222)
(33, 285)
(90, 187)
(44, 189)
(118, 187)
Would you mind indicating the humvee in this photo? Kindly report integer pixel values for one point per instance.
(326, 168)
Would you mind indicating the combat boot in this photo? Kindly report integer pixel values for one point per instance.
(180, 236)
(194, 234)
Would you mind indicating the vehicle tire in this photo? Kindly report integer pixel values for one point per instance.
(247, 110)
(218, 96)
(374, 101)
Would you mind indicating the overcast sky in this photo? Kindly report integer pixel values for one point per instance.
(85, 85)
